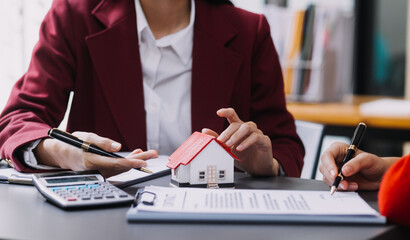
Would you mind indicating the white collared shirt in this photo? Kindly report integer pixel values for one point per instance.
(166, 67)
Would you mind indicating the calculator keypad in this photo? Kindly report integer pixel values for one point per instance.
(90, 192)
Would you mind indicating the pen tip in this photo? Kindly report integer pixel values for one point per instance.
(332, 190)
(145, 170)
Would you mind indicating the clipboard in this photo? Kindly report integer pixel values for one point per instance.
(131, 177)
(149, 197)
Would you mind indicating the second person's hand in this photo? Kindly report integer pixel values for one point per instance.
(364, 171)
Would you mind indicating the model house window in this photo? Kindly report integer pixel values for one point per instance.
(221, 174)
(176, 172)
(201, 175)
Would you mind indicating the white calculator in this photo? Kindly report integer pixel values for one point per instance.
(79, 189)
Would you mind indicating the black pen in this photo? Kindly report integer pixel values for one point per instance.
(351, 151)
(87, 147)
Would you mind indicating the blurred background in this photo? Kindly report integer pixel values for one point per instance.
(375, 44)
(331, 52)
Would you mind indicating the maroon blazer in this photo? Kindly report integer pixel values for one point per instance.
(91, 47)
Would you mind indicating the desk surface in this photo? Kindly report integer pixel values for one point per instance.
(26, 215)
(345, 114)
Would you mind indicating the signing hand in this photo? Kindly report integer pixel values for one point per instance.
(248, 143)
(56, 153)
(364, 171)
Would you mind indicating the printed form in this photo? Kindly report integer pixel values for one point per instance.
(250, 201)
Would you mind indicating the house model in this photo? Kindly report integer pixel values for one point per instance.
(202, 161)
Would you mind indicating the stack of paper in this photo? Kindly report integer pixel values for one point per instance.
(157, 166)
(386, 108)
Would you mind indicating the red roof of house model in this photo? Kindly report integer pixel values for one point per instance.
(192, 147)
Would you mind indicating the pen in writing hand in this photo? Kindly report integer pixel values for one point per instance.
(87, 147)
(357, 138)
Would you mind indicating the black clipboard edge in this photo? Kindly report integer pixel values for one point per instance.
(133, 216)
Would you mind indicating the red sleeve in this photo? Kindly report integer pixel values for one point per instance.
(269, 104)
(39, 99)
(394, 193)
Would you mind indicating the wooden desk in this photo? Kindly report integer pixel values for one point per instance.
(345, 114)
(341, 119)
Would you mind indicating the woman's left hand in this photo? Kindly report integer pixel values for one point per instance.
(248, 143)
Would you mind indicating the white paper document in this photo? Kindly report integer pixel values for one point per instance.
(7, 172)
(196, 200)
(386, 107)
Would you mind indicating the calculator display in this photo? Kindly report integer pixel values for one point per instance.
(71, 179)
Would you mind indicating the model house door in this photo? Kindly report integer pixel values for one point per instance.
(211, 176)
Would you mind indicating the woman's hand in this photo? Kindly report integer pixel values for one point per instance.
(248, 143)
(364, 171)
(53, 152)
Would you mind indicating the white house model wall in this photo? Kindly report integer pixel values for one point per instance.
(212, 155)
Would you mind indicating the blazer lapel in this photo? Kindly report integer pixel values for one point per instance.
(115, 55)
(214, 67)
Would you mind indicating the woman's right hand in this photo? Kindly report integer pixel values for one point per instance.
(364, 171)
(53, 152)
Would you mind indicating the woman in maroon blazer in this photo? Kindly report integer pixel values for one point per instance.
(92, 49)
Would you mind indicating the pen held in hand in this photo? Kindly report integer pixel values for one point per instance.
(87, 147)
(351, 151)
